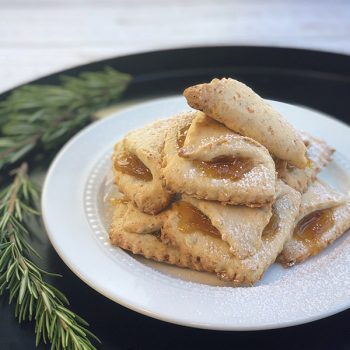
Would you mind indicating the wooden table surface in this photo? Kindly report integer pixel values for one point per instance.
(38, 37)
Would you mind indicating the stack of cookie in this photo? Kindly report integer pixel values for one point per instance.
(228, 188)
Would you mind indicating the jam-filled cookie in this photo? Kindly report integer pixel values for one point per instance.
(204, 244)
(137, 167)
(242, 110)
(324, 216)
(206, 160)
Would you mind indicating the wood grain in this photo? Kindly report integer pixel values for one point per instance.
(42, 36)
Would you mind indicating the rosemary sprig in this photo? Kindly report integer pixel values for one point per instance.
(37, 119)
(43, 117)
(24, 282)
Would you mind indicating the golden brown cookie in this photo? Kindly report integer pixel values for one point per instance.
(324, 216)
(319, 154)
(204, 159)
(242, 110)
(137, 167)
(205, 245)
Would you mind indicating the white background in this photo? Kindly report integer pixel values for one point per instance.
(38, 37)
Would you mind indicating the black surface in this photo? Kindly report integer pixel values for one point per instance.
(316, 79)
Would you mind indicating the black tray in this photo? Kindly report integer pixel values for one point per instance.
(315, 79)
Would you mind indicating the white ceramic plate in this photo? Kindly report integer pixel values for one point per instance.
(76, 216)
